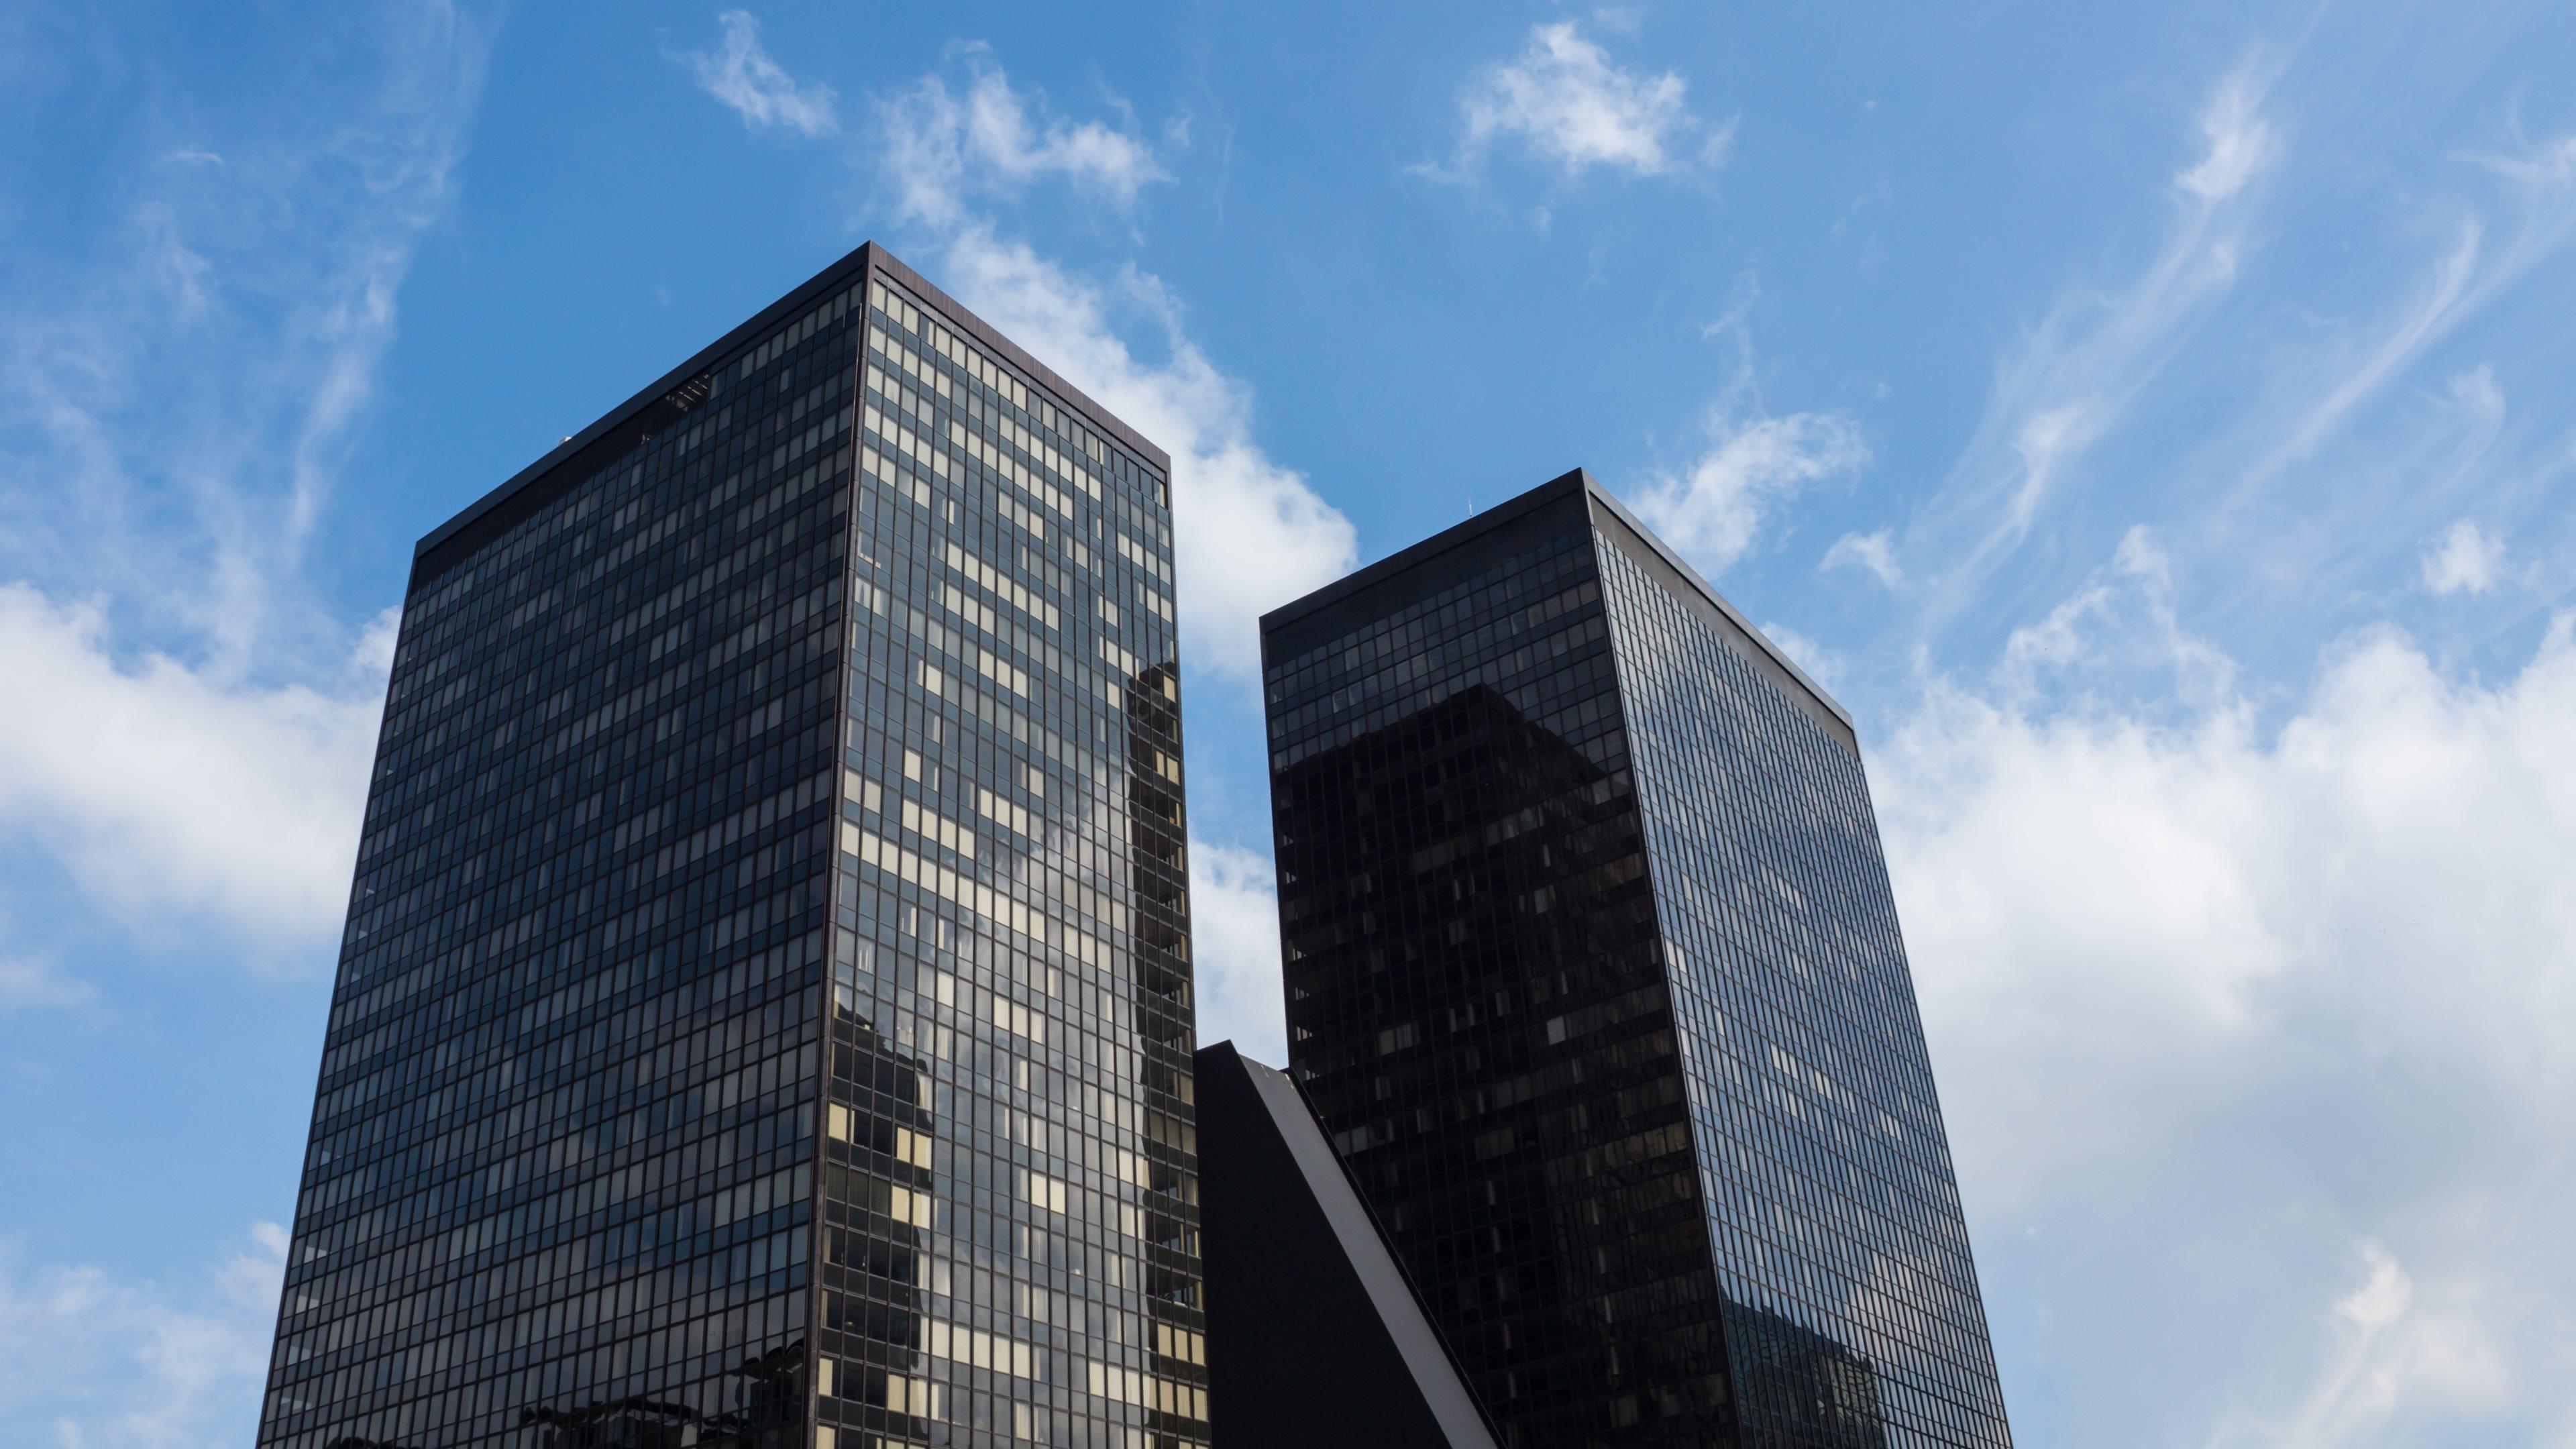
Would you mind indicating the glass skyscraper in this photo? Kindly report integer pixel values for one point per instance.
(764, 1017)
(1594, 979)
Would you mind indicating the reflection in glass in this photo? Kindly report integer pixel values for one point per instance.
(764, 1016)
(1593, 976)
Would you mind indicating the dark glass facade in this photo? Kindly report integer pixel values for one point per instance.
(764, 1016)
(1593, 976)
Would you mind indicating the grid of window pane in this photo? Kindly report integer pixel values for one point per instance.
(1010, 1226)
(765, 1017)
(1593, 974)
(559, 1184)
(1475, 1002)
(1854, 1315)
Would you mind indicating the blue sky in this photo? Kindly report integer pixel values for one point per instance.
(2153, 421)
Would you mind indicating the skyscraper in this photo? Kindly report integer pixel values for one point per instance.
(1594, 978)
(764, 1016)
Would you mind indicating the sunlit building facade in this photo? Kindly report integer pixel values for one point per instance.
(764, 1016)
(1594, 980)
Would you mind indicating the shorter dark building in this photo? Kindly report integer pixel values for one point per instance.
(1594, 983)
(1315, 1335)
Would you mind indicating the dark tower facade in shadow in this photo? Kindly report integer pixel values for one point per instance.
(1594, 980)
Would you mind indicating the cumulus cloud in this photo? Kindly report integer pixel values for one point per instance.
(2231, 995)
(741, 74)
(1249, 533)
(1234, 932)
(2465, 559)
(87, 1359)
(944, 150)
(1565, 103)
(167, 786)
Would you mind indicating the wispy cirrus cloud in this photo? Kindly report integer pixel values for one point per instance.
(1565, 104)
(740, 73)
(2074, 378)
(1755, 462)
(179, 412)
(2272, 417)
(2239, 140)
(2489, 245)
(2402, 1356)
(31, 984)
(1874, 553)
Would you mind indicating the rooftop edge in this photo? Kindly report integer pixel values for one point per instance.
(1564, 484)
(867, 256)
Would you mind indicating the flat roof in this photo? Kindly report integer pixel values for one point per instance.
(868, 256)
(1564, 485)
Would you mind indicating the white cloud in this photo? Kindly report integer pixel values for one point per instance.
(178, 407)
(1564, 102)
(190, 721)
(2205, 992)
(1874, 552)
(2398, 1358)
(1249, 533)
(2434, 310)
(164, 786)
(1754, 466)
(1755, 463)
(742, 75)
(1234, 930)
(87, 1360)
(2239, 141)
(2465, 559)
(944, 150)
(2122, 624)
(28, 984)
(1823, 665)
(2063, 389)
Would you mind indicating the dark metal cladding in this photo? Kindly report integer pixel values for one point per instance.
(1315, 1335)
(1593, 977)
